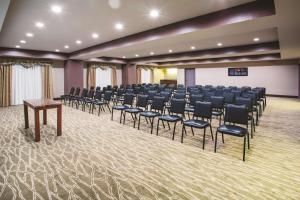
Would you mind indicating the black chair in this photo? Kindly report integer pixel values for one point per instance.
(88, 99)
(75, 96)
(127, 103)
(218, 107)
(104, 102)
(248, 103)
(157, 105)
(67, 96)
(141, 105)
(79, 100)
(235, 114)
(177, 107)
(204, 111)
(97, 98)
(193, 99)
(228, 97)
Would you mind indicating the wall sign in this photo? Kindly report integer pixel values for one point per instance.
(238, 71)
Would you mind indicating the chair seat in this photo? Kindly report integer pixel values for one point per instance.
(133, 110)
(150, 114)
(196, 123)
(189, 109)
(170, 118)
(120, 107)
(232, 130)
(217, 113)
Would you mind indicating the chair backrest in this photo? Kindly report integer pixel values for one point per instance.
(98, 95)
(166, 95)
(208, 94)
(129, 91)
(107, 96)
(177, 106)
(217, 102)
(244, 101)
(84, 92)
(98, 88)
(179, 96)
(77, 92)
(158, 103)
(91, 93)
(236, 114)
(228, 97)
(120, 92)
(194, 98)
(72, 90)
(151, 94)
(128, 99)
(203, 109)
(142, 101)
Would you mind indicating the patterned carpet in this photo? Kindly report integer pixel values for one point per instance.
(97, 158)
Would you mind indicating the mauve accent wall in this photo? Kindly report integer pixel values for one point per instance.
(189, 74)
(129, 74)
(73, 74)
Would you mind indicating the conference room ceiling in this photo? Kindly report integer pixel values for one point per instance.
(79, 19)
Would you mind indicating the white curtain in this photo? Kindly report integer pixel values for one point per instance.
(103, 77)
(26, 83)
(145, 76)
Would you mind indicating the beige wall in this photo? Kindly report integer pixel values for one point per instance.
(158, 75)
(279, 80)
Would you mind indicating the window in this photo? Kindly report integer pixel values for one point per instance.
(26, 83)
(103, 77)
(145, 76)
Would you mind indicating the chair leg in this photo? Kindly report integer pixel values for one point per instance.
(121, 116)
(124, 115)
(112, 114)
(244, 148)
(99, 110)
(220, 120)
(134, 120)
(192, 131)
(169, 125)
(212, 135)
(222, 137)
(248, 140)
(163, 124)
(157, 127)
(204, 138)
(139, 122)
(174, 131)
(108, 108)
(216, 139)
(152, 121)
(183, 127)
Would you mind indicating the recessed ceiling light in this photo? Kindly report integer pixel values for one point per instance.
(219, 44)
(29, 34)
(192, 47)
(136, 55)
(56, 9)
(39, 24)
(151, 53)
(119, 26)
(154, 13)
(22, 41)
(66, 46)
(57, 50)
(256, 39)
(78, 41)
(18, 46)
(95, 35)
(124, 57)
(170, 50)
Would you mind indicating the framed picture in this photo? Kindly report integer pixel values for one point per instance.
(238, 71)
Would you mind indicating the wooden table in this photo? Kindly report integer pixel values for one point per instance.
(42, 104)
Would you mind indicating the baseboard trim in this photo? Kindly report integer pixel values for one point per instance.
(284, 96)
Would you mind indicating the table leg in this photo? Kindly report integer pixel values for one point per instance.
(45, 116)
(26, 116)
(37, 125)
(59, 120)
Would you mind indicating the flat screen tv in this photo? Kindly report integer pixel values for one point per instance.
(238, 71)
